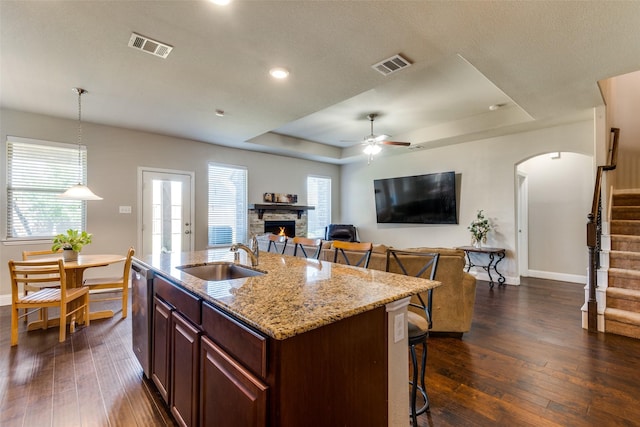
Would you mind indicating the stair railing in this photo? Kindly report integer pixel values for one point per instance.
(594, 232)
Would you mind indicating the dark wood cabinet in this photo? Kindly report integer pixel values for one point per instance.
(213, 369)
(230, 395)
(185, 370)
(160, 359)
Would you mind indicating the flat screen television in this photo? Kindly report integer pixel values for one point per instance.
(420, 199)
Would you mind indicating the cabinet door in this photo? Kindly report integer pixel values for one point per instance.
(229, 394)
(185, 372)
(161, 347)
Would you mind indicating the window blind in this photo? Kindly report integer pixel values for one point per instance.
(319, 196)
(227, 217)
(37, 172)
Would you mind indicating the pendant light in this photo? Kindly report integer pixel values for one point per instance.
(80, 191)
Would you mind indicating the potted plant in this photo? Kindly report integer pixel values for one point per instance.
(479, 228)
(72, 242)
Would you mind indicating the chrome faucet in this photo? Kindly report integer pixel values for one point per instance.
(252, 251)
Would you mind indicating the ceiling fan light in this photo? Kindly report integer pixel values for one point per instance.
(372, 149)
(79, 192)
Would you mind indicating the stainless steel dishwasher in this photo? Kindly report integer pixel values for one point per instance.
(141, 314)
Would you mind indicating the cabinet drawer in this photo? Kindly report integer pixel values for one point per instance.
(245, 345)
(187, 304)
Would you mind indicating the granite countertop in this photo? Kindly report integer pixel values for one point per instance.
(295, 295)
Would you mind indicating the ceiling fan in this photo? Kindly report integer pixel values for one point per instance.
(373, 142)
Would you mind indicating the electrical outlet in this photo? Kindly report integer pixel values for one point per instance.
(125, 209)
(398, 327)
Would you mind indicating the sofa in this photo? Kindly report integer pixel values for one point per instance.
(453, 302)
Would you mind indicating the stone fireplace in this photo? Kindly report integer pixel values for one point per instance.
(295, 217)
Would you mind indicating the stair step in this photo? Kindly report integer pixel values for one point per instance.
(623, 278)
(622, 322)
(629, 227)
(626, 199)
(625, 212)
(620, 242)
(624, 259)
(623, 299)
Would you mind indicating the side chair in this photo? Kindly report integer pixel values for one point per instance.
(119, 283)
(39, 255)
(40, 273)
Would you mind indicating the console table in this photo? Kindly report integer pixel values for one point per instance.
(495, 256)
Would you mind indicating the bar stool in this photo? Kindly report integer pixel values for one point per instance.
(301, 242)
(418, 319)
(274, 239)
(359, 248)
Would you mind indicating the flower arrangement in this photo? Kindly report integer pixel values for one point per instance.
(73, 240)
(479, 228)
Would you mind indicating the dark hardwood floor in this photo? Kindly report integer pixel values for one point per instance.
(92, 379)
(526, 361)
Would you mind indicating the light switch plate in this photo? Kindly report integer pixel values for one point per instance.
(125, 209)
(398, 327)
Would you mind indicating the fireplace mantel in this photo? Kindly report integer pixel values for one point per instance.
(260, 208)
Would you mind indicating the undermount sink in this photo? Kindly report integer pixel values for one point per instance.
(214, 271)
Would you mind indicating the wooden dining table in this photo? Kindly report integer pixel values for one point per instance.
(74, 271)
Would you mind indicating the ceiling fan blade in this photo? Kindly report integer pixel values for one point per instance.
(403, 144)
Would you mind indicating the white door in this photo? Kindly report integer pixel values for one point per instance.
(523, 225)
(166, 212)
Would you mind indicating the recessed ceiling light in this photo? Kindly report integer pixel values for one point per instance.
(220, 113)
(279, 73)
(495, 107)
(220, 2)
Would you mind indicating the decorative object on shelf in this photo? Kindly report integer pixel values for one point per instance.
(479, 228)
(72, 242)
(80, 191)
(280, 198)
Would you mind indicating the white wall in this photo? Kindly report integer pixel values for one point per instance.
(561, 212)
(487, 168)
(114, 155)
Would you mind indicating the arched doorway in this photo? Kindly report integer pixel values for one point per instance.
(553, 198)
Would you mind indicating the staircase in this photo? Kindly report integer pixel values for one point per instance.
(622, 313)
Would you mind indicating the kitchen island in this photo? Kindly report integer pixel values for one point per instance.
(306, 343)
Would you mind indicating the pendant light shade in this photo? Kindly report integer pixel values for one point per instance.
(79, 191)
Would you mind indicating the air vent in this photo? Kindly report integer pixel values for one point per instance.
(150, 46)
(391, 65)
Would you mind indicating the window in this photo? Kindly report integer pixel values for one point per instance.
(318, 195)
(227, 204)
(37, 172)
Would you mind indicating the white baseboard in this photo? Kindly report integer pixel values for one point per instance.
(562, 277)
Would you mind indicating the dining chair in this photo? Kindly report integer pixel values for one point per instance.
(274, 240)
(35, 255)
(119, 283)
(301, 242)
(362, 252)
(423, 265)
(40, 273)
